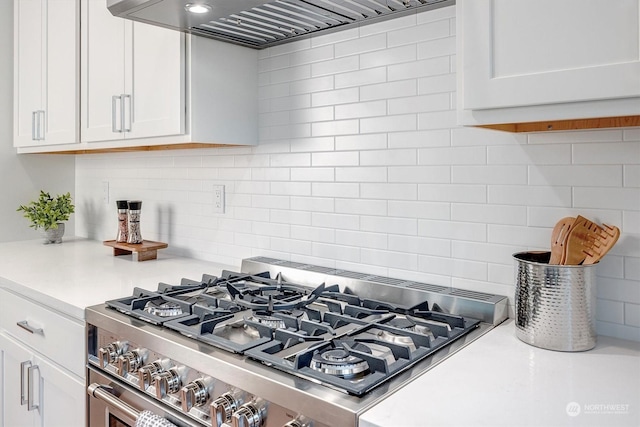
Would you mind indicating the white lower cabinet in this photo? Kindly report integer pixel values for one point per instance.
(37, 388)
(35, 391)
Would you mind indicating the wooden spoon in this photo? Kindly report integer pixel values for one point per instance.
(559, 238)
(580, 238)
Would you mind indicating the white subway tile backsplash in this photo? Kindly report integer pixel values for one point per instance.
(631, 175)
(616, 198)
(529, 196)
(388, 157)
(439, 47)
(577, 176)
(489, 213)
(361, 142)
(419, 104)
(388, 124)
(452, 156)
(312, 144)
(341, 127)
(334, 66)
(361, 239)
(312, 174)
(488, 174)
(612, 153)
(361, 206)
(401, 260)
(423, 68)
(361, 174)
(316, 84)
(361, 45)
(418, 33)
(361, 165)
(389, 191)
(361, 109)
(388, 90)
(420, 174)
(312, 204)
(389, 225)
(632, 314)
(437, 84)
(396, 55)
(470, 193)
(420, 139)
(452, 230)
(335, 221)
(420, 245)
(313, 234)
(413, 209)
(343, 158)
(338, 189)
(335, 97)
(361, 77)
(527, 154)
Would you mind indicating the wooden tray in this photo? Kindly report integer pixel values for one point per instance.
(145, 251)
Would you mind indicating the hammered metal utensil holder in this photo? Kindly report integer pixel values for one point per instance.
(555, 304)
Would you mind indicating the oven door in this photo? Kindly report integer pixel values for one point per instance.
(113, 404)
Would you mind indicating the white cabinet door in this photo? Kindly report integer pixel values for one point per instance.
(46, 72)
(155, 79)
(102, 74)
(35, 391)
(524, 53)
(14, 362)
(133, 80)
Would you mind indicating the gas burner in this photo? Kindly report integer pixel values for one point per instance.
(270, 295)
(390, 337)
(267, 320)
(162, 308)
(340, 363)
(407, 324)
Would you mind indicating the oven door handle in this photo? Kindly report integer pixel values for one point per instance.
(105, 393)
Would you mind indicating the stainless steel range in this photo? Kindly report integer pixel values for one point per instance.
(277, 344)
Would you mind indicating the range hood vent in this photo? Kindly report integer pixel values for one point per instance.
(260, 24)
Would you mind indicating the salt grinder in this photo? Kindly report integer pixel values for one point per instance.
(134, 221)
(123, 222)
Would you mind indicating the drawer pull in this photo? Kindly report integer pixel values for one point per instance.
(24, 325)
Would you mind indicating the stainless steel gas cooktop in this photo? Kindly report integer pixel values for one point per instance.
(281, 343)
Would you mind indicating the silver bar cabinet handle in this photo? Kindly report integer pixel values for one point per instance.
(104, 393)
(33, 125)
(126, 97)
(30, 405)
(24, 325)
(41, 125)
(23, 399)
(114, 128)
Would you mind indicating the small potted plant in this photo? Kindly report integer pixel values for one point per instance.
(47, 213)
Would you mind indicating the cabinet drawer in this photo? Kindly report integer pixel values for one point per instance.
(57, 337)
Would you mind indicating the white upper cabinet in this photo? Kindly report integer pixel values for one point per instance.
(524, 61)
(132, 78)
(124, 85)
(46, 64)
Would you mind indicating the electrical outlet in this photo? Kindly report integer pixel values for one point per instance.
(105, 192)
(218, 199)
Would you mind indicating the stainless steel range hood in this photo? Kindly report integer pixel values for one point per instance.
(263, 23)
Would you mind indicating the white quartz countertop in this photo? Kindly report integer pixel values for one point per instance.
(496, 381)
(499, 380)
(78, 273)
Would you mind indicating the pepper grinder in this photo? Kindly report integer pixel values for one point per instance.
(135, 206)
(123, 222)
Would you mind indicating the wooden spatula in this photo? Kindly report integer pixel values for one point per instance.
(559, 238)
(588, 240)
(603, 244)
